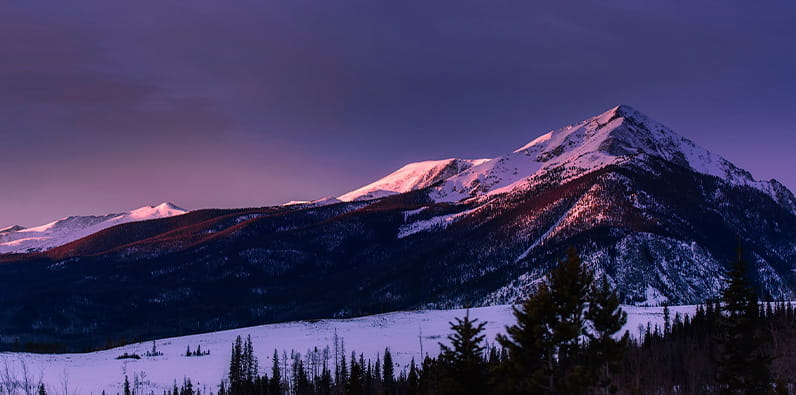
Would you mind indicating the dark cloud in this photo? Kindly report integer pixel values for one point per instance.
(255, 102)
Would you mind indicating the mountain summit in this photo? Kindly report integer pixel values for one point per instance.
(618, 135)
(657, 215)
(17, 239)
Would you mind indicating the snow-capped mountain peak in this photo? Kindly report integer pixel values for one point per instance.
(413, 176)
(165, 209)
(16, 239)
(618, 135)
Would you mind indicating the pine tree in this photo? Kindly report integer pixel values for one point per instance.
(355, 384)
(275, 384)
(412, 379)
(530, 345)
(235, 365)
(464, 368)
(126, 386)
(249, 365)
(606, 318)
(324, 385)
(300, 381)
(546, 354)
(742, 364)
(41, 390)
(387, 369)
(343, 379)
(187, 387)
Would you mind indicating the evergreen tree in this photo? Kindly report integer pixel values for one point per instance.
(412, 379)
(249, 365)
(187, 387)
(301, 384)
(546, 353)
(530, 345)
(235, 365)
(343, 379)
(324, 384)
(606, 318)
(570, 284)
(464, 368)
(742, 364)
(126, 386)
(387, 369)
(275, 384)
(355, 384)
(41, 390)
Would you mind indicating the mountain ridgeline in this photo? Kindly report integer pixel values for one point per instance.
(658, 215)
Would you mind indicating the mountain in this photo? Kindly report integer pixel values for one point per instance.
(411, 177)
(16, 239)
(657, 215)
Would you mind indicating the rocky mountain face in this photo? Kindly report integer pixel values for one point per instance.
(659, 216)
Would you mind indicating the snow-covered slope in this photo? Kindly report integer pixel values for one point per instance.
(16, 239)
(411, 177)
(618, 135)
(404, 332)
(313, 203)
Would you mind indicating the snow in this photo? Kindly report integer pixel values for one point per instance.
(403, 332)
(411, 177)
(615, 136)
(325, 201)
(543, 237)
(69, 229)
(434, 223)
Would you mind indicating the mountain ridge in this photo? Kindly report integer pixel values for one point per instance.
(639, 213)
(17, 239)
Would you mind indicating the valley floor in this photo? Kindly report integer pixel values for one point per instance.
(403, 332)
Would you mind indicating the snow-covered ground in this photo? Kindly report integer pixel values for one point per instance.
(404, 332)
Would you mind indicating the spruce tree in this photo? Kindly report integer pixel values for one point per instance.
(546, 351)
(249, 365)
(742, 363)
(275, 384)
(606, 318)
(126, 386)
(570, 284)
(530, 346)
(41, 390)
(412, 379)
(464, 367)
(236, 365)
(355, 384)
(387, 370)
(324, 385)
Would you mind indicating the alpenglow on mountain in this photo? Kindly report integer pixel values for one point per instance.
(657, 215)
(17, 239)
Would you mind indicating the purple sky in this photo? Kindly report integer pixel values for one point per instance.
(108, 106)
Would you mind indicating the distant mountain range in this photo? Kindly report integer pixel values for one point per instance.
(17, 239)
(658, 215)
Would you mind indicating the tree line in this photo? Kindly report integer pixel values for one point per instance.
(566, 340)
